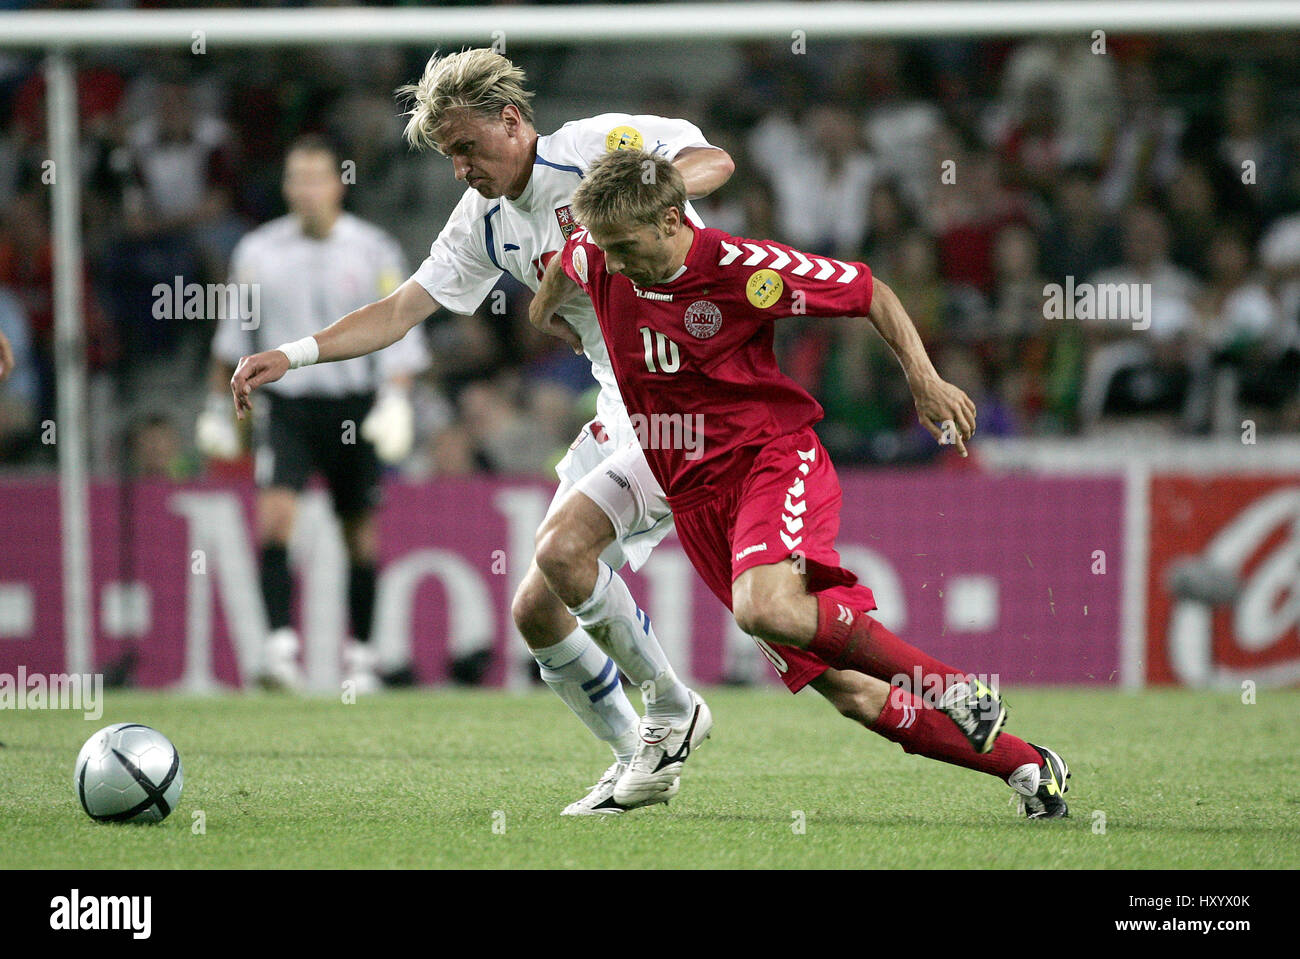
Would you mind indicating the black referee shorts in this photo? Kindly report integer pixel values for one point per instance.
(299, 436)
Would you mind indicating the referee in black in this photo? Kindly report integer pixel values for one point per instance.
(301, 272)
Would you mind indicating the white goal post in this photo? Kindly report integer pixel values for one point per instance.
(63, 33)
(615, 24)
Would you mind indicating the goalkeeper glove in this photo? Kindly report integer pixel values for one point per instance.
(390, 425)
(216, 433)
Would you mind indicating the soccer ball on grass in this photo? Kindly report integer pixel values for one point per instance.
(128, 773)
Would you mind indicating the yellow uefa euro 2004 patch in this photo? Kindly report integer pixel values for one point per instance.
(623, 138)
(389, 280)
(764, 288)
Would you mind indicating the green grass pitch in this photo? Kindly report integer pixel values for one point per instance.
(476, 779)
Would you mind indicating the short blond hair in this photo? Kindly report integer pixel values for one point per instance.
(480, 79)
(629, 187)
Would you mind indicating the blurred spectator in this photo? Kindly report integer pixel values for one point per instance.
(1138, 359)
(27, 270)
(158, 452)
(1079, 239)
(1194, 217)
(506, 440)
(1032, 147)
(1247, 354)
(768, 77)
(1144, 152)
(450, 452)
(1279, 255)
(180, 178)
(967, 214)
(1077, 84)
(1247, 144)
(1018, 346)
(18, 390)
(915, 278)
(890, 218)
(900, 127)
(821, 178)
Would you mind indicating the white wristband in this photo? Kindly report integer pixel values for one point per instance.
(302, 352)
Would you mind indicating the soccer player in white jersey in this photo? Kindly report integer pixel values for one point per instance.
(473, 107)
(308, 267)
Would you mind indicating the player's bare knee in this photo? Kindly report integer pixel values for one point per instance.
(530, 609)
(763, 605)
(559, 551)
(763, 616)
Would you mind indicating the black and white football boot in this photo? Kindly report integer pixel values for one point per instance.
(652, 775)
(600, 800)
(1042, 788)
(978, 712)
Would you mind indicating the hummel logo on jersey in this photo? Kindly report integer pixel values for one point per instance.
(795, 507)
(750, 549)
(650, 295)
(845, 614)
(756, 255)
(909, 717)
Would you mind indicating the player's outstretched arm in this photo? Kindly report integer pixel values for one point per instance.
(371, 328)
(937, 401)
(704, 169)
(556, 289)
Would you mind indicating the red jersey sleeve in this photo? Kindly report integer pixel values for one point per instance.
(781, 281)
(577, 258)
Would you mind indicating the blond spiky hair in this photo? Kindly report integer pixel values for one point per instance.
(628, 187)
(480, 79)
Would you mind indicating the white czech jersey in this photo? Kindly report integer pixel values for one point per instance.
(302, 285)
(484, 238)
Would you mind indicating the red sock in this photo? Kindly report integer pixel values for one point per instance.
(927, 732)
(850, 639)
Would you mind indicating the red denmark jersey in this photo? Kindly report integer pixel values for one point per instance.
(693, 356)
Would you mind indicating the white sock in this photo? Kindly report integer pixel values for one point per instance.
(623, 631)
(588, 682)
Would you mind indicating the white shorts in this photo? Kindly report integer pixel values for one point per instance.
(618, 480)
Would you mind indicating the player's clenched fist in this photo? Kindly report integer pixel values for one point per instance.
(254, 371)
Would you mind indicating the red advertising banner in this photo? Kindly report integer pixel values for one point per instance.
(1223, 581)
(1013, 576)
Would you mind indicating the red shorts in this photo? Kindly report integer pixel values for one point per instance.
(787, 505)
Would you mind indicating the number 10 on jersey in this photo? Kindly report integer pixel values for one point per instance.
(670, 360)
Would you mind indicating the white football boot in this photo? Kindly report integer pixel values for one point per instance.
(652, 774)
(280, 668)
(600, 801)
(360, 668)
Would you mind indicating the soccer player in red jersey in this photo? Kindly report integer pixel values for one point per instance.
(687, 315)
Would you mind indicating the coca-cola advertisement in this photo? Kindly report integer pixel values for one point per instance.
(1223, 582)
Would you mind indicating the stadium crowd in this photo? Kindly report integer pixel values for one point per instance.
(969, 175)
